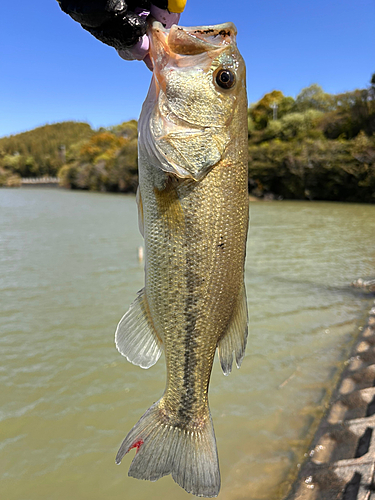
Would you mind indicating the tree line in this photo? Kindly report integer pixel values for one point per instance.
(317, 146)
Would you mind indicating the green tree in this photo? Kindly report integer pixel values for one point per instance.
(353, 112)
(261, 112)
(285, 106)
(294, 125)
(314, 97)
(105, 162)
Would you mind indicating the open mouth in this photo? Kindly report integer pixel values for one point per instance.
(179, 41)
(194, 41)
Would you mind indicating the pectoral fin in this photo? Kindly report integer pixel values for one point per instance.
(235, 338)
(135, 336)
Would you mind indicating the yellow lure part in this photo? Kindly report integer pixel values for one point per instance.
(176, 6)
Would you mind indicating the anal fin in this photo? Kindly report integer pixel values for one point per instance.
(135, 335)
(235, 338)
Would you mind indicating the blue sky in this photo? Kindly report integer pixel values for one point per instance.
(52, 70)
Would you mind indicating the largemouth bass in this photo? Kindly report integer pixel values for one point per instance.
(193, 214)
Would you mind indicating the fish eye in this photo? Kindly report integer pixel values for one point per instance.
(225, 78)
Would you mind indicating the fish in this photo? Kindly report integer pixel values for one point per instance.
(193, 211)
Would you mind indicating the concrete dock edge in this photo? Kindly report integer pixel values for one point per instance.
(341, 462)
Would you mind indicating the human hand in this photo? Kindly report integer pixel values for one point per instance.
(123, 24)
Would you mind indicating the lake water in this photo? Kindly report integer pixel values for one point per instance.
(68, 272)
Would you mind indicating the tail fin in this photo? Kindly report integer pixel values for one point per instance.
(190, 455)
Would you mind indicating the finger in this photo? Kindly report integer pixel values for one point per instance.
(120, 32)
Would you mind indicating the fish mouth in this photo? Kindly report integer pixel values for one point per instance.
(175, 45)
(194, 41)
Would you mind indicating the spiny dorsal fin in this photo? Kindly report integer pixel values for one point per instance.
(135, 335)
(234, 340)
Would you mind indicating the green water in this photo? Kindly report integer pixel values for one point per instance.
(68, 271)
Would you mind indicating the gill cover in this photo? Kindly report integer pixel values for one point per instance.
(184, 121)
